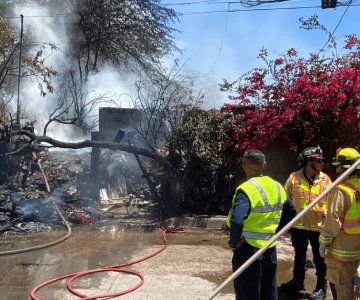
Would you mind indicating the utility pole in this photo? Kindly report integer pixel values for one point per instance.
(19, 75)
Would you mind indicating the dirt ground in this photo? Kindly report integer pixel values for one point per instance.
(191, 267)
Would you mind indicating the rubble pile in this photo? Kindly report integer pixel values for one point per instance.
(26, 206)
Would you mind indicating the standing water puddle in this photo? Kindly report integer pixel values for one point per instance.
(192, 266)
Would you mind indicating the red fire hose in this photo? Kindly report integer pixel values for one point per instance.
(115, 268)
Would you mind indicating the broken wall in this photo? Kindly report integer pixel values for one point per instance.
(116, 171)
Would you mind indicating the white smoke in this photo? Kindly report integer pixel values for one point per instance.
(44, 25)
(113, 84)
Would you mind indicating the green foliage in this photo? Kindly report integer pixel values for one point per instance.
(127, 34)
(207, 172)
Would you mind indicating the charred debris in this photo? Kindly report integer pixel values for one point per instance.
(32, 179)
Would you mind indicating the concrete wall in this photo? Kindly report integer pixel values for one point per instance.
(111, 120)
(115, 125)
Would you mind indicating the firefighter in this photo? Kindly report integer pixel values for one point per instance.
(340, 236)
(259, 208)
(303, 186)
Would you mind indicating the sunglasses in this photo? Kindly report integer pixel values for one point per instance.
(318, 160)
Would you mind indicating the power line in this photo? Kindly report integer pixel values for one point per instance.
(336, 27)
(197, 2)
(244, 3)
(221, 44)
(246, 10)
(253, 9)
(43, 16)
(354, 3)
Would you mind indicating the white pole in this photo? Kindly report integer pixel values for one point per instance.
(283, 230)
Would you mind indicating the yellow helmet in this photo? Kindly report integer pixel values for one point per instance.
(345, 157)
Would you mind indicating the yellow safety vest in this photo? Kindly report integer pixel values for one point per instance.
(267, 198)
(302, 194)
(351, 223)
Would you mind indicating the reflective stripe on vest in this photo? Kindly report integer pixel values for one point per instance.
(351, 222)
(343, 253)
(302, 194)
(260, 209)
(267, 207)
(267, 198)
(263, 220)
(325, 239)
(257, 235)
(256, 209)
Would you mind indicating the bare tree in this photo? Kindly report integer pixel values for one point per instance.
(129, 35)
(74, 105)
(8, 49)
(162, 102)
(32, 65)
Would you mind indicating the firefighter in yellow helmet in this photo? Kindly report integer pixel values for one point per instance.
(340, 236)
(303, 187)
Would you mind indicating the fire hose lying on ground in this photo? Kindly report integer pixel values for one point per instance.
(283, 230)
(63, 220)
(74, 276)
(115, 268)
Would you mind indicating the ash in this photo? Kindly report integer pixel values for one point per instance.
(26, 205)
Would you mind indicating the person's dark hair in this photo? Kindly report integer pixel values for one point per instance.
(255, 156)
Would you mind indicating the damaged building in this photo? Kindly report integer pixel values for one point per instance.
(117, 174)
(82, 183)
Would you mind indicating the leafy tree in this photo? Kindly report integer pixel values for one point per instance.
(127, 34)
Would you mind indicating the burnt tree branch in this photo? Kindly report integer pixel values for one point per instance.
(99, 144)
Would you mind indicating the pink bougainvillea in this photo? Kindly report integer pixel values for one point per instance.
(301, 101)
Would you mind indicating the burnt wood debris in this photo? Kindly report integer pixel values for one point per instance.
(26, 203)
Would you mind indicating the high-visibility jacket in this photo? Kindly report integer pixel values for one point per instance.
(267, 198)
(302, 194)
(341, 232)
(351, 223)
